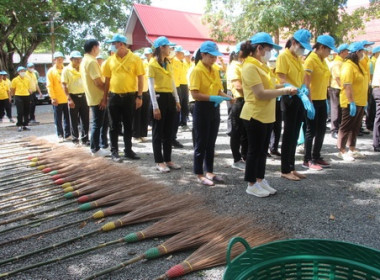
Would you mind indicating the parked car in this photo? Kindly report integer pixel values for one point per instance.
(45, 96)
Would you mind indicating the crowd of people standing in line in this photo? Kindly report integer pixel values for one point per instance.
(127, 92)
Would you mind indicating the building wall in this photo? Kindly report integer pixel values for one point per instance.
(139, 37)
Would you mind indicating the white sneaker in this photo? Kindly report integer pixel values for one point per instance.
(101, 153)
(345, 156)
(300, 149)
(356, 154)
(265, 185)
(239, 165)
(257, 190)
(162, 169)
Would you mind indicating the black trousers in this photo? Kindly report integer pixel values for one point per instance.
(81, 112)
(206, 120)
(184, 102)
(238, 135)
(370, 112)
(33, 102)
(22, 106)
(258, 141)
(121, 108)
(62, 110)
(376, 125)
(336, 111)
(292, 115)
(99, 129)
(162, 129)
(276, 131)
(315, 131)
(4, 103)
(141, 118)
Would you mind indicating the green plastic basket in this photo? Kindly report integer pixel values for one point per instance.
(303, 259)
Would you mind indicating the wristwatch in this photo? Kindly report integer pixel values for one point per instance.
(139, 96)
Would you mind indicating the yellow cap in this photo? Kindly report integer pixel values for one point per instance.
(98, 215)
(109, 226)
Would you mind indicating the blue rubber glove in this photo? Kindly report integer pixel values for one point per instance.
(218, 99)
(328, 106)
(307, 104)
(304, 90)
(352, 109)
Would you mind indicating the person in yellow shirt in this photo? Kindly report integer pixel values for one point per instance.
(258, 113)
(93, 84)
(58, 98)
(207, 90)
(8, 107)
(124, 73)
(141, 117)
(334, 89)
(289, 70)
(353, 98)
(369, 111)
(317, 77)
(20, 89)
(376, 96)
(236, 131)
(32, 74)
(5, 97)
(165, 104)
(73, 85)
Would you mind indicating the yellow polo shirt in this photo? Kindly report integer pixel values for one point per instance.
(292, 67)
(234, 73)
(186, 67)
(364, 65)
(123, 72)
(254, 73)
(320, 76)
(73, 79)
(351, 75)
(21, 86)
(335, 71)
(163, 78)
(33, 80)
(90, 71)
(4, 89)
(54, 86)
(178, 71)
(204, 81)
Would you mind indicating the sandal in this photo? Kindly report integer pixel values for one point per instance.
(299, 175)
(173, 166)
(216, 179)
(205, 181)
(290, 176)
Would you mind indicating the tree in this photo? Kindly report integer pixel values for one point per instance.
(240, 19)
(28, 24)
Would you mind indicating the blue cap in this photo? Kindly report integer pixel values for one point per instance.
(118, 38)
(365, 43)
(162, 41)
(21, 68)
(356, 46)
(3, 73)
(186, 53)
(58, 54)
(30, 64)
(303, 37)
(179, 49)
(75, 54)
(237, 47)
(342, 47)
(148, 51)
(210, 48)
(264, 38)
(327, 41)
(376, 50)
(100, 57)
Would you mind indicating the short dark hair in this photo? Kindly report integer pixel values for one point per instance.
(90, 44)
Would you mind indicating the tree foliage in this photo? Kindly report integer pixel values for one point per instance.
(240, 19)
(27, 24)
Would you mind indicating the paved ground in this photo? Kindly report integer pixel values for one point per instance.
(340, 203)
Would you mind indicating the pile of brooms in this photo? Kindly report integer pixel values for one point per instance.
(40, 180)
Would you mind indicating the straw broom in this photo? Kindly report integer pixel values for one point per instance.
(51, 185)
(19, 206)
(201, 233)
(31, 196)
(26, 182)
(214, 252)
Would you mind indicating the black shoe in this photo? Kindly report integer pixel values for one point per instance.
(275, 153)
(376, 149)
(269, 155)
(25, 128)
(334, 135)
(364, 131)
(86, 143)
(176, 144)
(116, 158)
(131, 155)
(76, 141)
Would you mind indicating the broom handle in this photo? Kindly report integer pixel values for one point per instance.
(29, 195)
(27, 189)
(116, 267)
(21, 202)
(16, 258)
(27, 183)
(17, 180)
